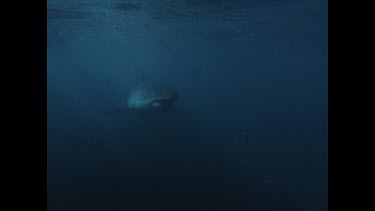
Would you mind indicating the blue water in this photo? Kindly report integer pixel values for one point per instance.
(250, 127)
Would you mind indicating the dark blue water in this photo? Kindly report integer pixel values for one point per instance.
(250, 127)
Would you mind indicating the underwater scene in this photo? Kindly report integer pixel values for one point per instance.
(184, 105)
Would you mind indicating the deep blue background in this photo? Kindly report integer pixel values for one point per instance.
(250, 130)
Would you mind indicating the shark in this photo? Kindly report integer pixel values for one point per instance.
(149, 99)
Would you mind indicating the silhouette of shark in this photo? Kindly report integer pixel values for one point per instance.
(148, 99)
